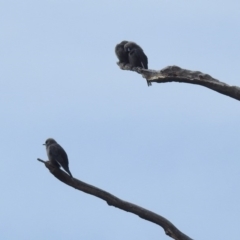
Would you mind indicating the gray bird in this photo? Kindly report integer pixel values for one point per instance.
(121, 53)
(136, 56)
(56, 154)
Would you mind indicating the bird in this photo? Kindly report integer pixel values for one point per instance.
(57, 155)
(130, 45)
(121, 53)
(136, 56)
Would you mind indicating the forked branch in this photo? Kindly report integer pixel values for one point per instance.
(177, 74)
(111, 200)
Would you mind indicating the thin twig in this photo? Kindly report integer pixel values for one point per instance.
(40, 160)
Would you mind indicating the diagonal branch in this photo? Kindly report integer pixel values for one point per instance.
(177, 74)
(111, 200)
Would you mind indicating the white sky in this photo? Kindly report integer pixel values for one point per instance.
(171, 148)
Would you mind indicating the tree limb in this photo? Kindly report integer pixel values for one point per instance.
(111, 200)
(177, 74)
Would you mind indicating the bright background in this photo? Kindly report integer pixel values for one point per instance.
(171, 148)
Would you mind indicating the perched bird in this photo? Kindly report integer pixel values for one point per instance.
(121, 53)
(136, 56)
(130, 45)
(56, 154)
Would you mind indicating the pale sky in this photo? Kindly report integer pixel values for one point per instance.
(171, 148)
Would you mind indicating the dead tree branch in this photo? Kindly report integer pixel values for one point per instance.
(177, 74)
(111, 200)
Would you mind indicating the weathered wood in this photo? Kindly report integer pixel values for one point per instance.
(111, 200)
(177, 74)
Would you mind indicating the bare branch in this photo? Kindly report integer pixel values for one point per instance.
(40, 160)
(111, 200)
(177, 74)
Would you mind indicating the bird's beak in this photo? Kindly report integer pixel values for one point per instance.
(44, 144)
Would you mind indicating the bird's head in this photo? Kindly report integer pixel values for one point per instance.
(49, 141)
(120, 46)
(129, 46)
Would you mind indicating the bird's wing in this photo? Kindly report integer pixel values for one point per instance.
(144, 60)
(58, 154)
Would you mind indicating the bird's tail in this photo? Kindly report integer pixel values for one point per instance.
(66, 168)
(69, 173)
(145, 67)
(148, 83)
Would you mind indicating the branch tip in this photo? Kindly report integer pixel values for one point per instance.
(40, 160)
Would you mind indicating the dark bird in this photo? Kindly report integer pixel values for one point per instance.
(121, 53)
(56, 154)
(130, 45)
(136, 56)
